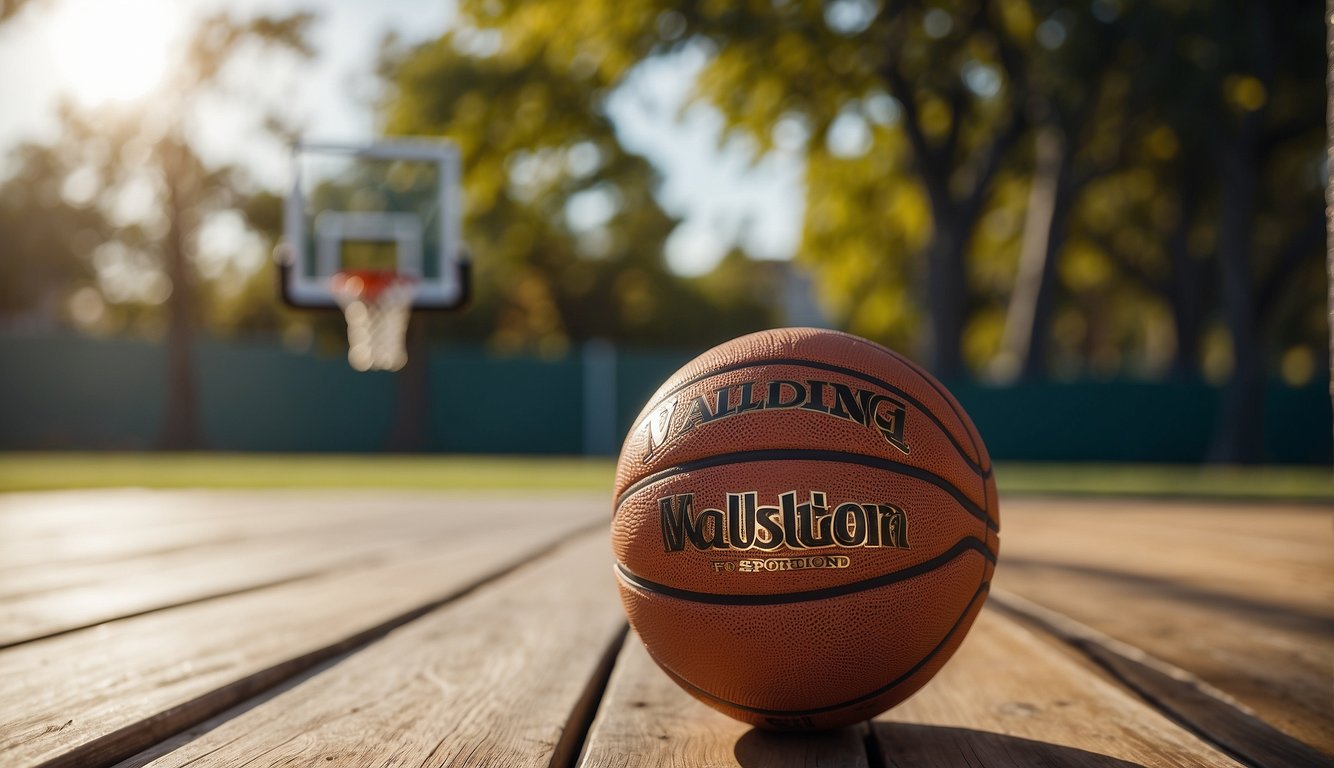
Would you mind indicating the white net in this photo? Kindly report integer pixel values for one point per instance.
(377, 308)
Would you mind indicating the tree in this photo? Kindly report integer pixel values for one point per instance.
(1250, 89)
(565, 230)
(113, 156)
(950, 69)
(1087, 98)
(188, 189)
(48, 240)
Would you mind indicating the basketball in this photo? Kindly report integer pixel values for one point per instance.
(805, 526)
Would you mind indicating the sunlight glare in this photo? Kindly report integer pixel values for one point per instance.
(111, 51)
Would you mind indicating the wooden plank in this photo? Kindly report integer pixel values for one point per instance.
(1187, 699)
(1280, 554)
(646, 720)
(77, 527)
(362, 530)
(96, 695)
(1241, 596)
(1009, 698)
(493, 679)
(56, 533)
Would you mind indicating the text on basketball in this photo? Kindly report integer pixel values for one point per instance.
(746, 525)
(866, 407)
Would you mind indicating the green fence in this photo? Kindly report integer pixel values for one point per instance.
(79, 393)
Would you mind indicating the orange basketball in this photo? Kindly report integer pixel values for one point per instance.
(805, 526)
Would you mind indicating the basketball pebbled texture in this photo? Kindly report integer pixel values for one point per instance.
(805, 526)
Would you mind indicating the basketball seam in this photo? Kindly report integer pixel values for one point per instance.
(976, 468)
(958, 414)
(940, 390)
(804, 454)
(964, 545)
(875, 694)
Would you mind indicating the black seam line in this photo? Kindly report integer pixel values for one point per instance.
(969, 428)
(866, 377)
(882, 690)
(806, 454)
(967, 544)
(944, 395)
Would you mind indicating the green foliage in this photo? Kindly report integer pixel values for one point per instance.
(48, 241)
(538, 150)
(915, 121)
(94, 222)
(884, 221)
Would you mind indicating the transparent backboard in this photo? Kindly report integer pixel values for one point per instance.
(390, 206)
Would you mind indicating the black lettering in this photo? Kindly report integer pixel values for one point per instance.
(847, 405)
(815, 399)
(893, 526)
(872, 524)
(810, 524)
(776, 399)
(788, 502)
(697, 413)
(889, 420)
(849, 522)
(722, 404)
(813, 522)
(674, 514)
(769, 536)
(716, 536)
(741, 519)
(748, 401)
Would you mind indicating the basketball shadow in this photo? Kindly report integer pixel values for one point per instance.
(912, 746)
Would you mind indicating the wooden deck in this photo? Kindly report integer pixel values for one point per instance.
(362, 629)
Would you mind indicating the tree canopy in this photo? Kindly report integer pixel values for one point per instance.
(567, 234)
(1005, 188)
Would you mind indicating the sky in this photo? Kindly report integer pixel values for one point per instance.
(92, 51)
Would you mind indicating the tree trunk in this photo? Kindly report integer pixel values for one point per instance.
(1187, 278)
(1241, 435)
(1241, 426)
(1027, 322)
(946, 298)
(181, 428)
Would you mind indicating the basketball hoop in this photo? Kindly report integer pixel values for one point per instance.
(377, 304)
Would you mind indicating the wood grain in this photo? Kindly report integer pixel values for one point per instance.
(314, 534)
(1009, 698)
(1242, 596)
(1178, 693)
(646, 721)
(99, 694)
(490, 680)
(70, 528)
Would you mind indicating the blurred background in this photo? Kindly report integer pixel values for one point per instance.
(1099, 222)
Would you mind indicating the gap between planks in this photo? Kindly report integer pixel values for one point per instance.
(1191, 702)
(1010, 697)
(503, 677)
(643, 719)
(166, 706)
(1240, 597)
(47, 601)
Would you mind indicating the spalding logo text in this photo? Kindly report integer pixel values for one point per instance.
(862, 406)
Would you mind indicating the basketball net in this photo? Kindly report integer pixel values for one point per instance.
(377, 305)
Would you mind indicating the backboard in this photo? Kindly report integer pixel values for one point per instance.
(392, 206)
